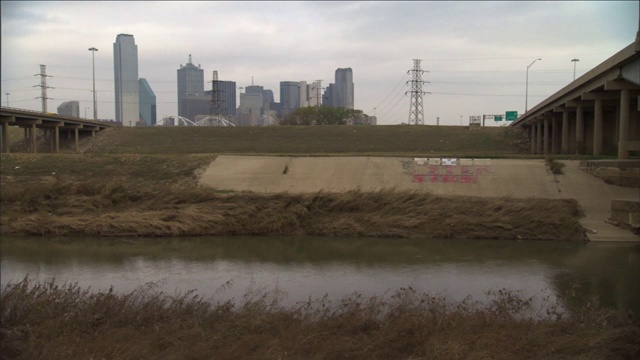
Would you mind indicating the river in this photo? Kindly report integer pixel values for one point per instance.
(303, 268)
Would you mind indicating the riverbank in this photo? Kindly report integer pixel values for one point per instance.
(111, 208)
(63, 321)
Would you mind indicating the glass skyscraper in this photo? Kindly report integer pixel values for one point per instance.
(125, 65)
(190, 83)
(147, 103)
(343, 90)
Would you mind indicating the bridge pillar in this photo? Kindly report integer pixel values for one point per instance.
(540, 137)
(5, 137)
(545, 140)
(624, 124)
(565, 132)
(532, 139)
(597, 127)
(554, 135)
(56, 139)
(34, 148)
(76, 134)
(579, 130)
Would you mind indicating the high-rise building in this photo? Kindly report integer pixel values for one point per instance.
(125, 65)
(343, 91)
(190, 83)
(69, 108)
(147, 103)
(328, 98)
(289, 97)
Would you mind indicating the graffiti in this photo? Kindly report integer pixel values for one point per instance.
(445, 170)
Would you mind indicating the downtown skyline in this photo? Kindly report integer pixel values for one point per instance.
(476, 54)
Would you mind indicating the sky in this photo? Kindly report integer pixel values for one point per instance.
(475, 54)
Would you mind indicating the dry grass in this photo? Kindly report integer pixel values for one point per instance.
(112, 208)
(391, 140)
(62, 321)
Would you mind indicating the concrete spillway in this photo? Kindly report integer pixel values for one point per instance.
(471, 177)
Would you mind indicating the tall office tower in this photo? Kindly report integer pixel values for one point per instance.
(190, 83)
(289, 97)
(328, 97)
(69, 108)
(343, 91)
(304, 97)
(147, 103)
(125, 66)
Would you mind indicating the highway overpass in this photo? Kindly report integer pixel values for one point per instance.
(52, 125)
(598, 113)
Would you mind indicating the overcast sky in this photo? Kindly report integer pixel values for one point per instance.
(476, 53)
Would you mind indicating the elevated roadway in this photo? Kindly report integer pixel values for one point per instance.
(597, 114)
(52, 124)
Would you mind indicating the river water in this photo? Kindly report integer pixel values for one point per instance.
(303, 268)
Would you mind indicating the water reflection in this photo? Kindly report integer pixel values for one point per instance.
(304, 267)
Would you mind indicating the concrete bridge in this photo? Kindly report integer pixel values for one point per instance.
(597, 114)
(52, 125)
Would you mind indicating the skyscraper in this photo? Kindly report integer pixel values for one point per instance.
(147, 103)
(343, 90)
(190, 83)
(289, 96)
(125, 65)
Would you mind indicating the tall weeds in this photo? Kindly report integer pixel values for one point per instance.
(109, 208)
(47, 320)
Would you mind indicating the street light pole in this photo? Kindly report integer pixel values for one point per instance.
(526, 95)
(574, 67)
(93, 56)
(85, 112)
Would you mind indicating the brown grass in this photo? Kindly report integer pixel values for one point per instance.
(117, 209)
(390, 140)
(62, 321)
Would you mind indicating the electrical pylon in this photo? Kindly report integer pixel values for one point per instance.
(43, 87)
(416, 112)
(216, 98)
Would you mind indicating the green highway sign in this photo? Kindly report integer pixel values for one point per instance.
(497, 118)
(511, 115)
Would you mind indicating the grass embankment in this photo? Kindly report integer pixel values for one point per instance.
(143, 195)
(421, 141)
(52, 321)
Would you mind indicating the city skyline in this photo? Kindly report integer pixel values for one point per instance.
(476, 53)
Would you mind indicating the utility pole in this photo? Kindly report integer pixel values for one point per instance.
(93, 62)
(416, 112)
(43, 87)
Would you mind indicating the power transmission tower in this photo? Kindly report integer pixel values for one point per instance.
(216, 96)
(416, 112)
(43, 87)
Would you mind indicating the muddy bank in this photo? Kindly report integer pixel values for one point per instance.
(57, 208)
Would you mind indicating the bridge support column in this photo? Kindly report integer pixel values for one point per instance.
(56, 139)
(76, 134)
(33, 139)
(554, 135)
(545, 140)
(532, 139)
(579, 130)
(539, 139)
(597, 127)
(5, 137)
(565, 132)
(624, 124)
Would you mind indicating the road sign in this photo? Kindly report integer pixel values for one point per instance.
(497, 118)
(511, 115)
